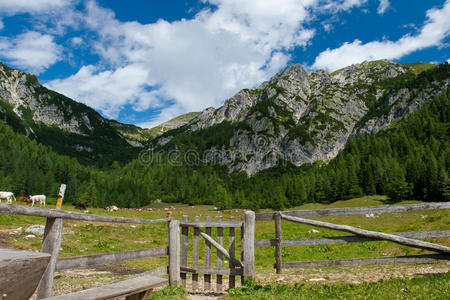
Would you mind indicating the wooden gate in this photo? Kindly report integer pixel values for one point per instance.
(226, 263)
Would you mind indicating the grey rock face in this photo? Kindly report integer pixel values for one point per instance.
(15, 88)
(302, 118)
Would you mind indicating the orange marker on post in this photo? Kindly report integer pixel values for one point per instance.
(62, 190)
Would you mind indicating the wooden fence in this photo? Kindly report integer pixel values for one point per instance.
(405, 238)
(244, 268)
(52, 241)
(226, 262)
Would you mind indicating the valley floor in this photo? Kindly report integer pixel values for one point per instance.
(82, 238)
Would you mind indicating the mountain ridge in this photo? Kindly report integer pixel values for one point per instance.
(304, 117)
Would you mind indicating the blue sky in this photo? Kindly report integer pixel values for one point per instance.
(144, 62)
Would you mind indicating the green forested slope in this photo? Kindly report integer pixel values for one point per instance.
(408, 161)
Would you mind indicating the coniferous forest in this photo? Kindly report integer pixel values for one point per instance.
(410, 160)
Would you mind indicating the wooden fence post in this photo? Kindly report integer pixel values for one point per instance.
(277, 217)
(232, 251)
(174, 252)
(195, 254)
(184, 249)
(207, 277)
(248, 244)
(219, 255)
(51, 245)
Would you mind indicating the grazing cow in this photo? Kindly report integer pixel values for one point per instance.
(25, 199)
(8, 196)
(38, 198)
(79, 205)
(112, 208)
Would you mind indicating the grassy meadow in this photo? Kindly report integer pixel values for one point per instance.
(83, 238)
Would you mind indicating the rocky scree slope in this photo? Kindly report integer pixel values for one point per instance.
(71, 128)
(305, 117)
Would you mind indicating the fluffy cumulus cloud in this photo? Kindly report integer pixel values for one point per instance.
(32, 51)
(124, 85)
(383, 6)
(31, 6)
(432, 33)
(191, 64)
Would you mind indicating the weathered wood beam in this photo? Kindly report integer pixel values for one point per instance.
(108, 258)
(347, 239)
(417, 259)
(213, 271)
(211, 224)
(248, 244)
(220, 248)
(315, 213)
(53, 213)
(278, 244)
(372, 234)
(51, 245)
(174, 252)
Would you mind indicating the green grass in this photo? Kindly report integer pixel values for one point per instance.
(423, 287)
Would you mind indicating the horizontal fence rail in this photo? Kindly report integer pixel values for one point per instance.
(418, 259)
(347, 239)
(211, 224)
(356, 210)
(108, 258)
(63, 214)
(372, 234)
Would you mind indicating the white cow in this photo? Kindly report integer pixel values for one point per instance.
(8, 196)
(38, 198)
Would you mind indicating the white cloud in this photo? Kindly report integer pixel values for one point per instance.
(187, 65)
(32, 51)
(341, 5)
(76, 41)
(108, 90)
(31, 6)
(433, 32)
(383, 6)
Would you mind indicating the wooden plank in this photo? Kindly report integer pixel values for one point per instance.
(220, 248)
(232, 251)
(356, 210)
(347, 239)
(417, 259)
(242, 250)
(207, 277)
(51, 245)
(278, 242)
(372, 234)
(184, 248)
(122, 288)
(219, 255)
(174, 252)
(20, 272)
(211, 224)
(54, 213)
(108, 258)
(195, 253)
(214, 271)
(248, 244)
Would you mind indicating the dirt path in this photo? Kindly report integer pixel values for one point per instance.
(205, 296)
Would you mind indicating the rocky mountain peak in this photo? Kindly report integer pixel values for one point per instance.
(301, 117)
